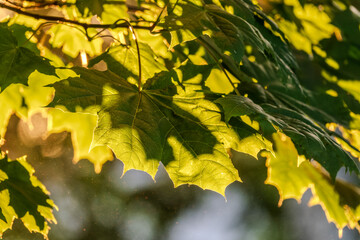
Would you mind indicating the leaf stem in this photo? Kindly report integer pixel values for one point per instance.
(137, 49)
(35, 31)
(139, 58)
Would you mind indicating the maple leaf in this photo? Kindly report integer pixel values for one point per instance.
(292, 175)
(23, 197)
(181, 129)
(17, 63)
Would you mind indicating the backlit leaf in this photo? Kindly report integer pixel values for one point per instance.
(23, 197)
(17, 63)
(179, 128)
(216, 76)
(310, 139)
(292, 175)
(123, 60)
(72, 40)
(81, 126)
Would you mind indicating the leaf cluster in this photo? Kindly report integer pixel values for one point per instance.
(182, 83)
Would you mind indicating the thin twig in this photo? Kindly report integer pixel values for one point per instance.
(108, 36)
(35, 31)
(40, 4)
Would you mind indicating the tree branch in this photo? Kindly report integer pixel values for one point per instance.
(65, 20)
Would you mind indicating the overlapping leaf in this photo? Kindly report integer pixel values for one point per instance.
(81, 126)
(10, 99)
(72, 40)
(17, 62)
(331, 67)
(23, 197)
(229, 33)
(309, 23)
(349, 140)
(19, 99)
(189, 20)
(186, 22)
(163, 123)
(310, 139)
(292, 175)
(172, 120)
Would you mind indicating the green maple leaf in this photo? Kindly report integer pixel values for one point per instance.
(81, 126)
(224, 35)
(309, 138)
(186, 22)
(10, 99)
(245, 30)
(292, 175)
(23, 197)
(72, 41)
(20, 100)
(17, 63)
(228, 36)
(174, 124)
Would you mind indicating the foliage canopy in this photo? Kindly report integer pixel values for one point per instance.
(184, 83)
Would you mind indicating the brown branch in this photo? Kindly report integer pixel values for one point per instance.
(65, 20)
(42, 4)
